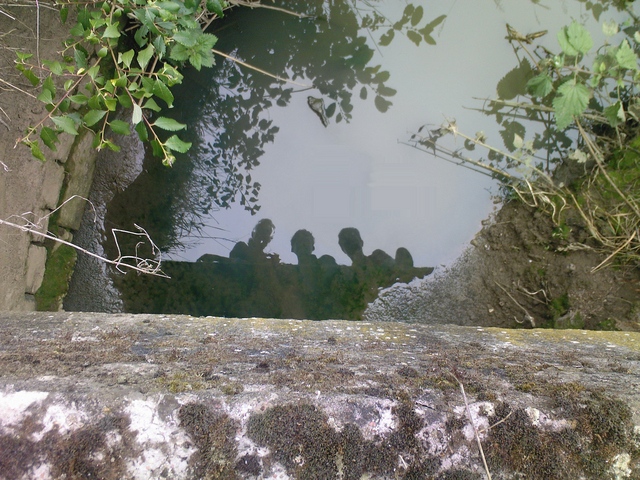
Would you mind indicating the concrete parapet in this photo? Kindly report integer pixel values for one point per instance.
(143, 396)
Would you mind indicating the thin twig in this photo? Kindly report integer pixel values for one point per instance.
(259, 69)
(527, 315)
(473, 425)
(19, 89)
(269, 7)
(622, 247)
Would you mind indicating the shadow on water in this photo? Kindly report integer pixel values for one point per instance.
(252, 283)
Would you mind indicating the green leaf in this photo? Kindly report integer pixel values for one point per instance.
(626, 57)
(77, 30)
(417, 16)
(216, 7)
(179, 53)
(414, 37)
(84, 17)
(386, 91)
(111, 31)
(69, 83)
(136, 116)
(143, 134)
(188, 38)
(49, 138)
(79, 99)
(126, 58)
(152, 105)
(35, 151)
(174, 143)
(55, 67)
(160, 46)
(162, 91)
(157, 148)
(169, 124)
(111, 146)
(615, 114)
(49, 86)
(125, 100)
(120, 127)
(29, 74)
(574, 39)
(145, 55)
(65, 124)
(45, 96)
(94, 116)
(572, 100)
(64, 13)
(80, 58)
(111, 103)
(172, 7)
(610, 28)
(540, 85)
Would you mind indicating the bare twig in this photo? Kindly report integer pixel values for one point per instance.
(19, 89)
(269, 7)
(244, 64)
(473, 425)
(527, 315)
(142, 265)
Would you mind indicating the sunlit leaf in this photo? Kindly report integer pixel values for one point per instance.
(35, 151)
(65, 124)
(572, 100)
(626, 57)
(168, 124)
(94, 116)
(174, 143)
(574, 39)
(136, 116)
(126, 58)
(111, 31)
(610, 28)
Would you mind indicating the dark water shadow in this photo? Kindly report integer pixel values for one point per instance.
(252, 283)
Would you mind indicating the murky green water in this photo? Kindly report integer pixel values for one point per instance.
(329, 155)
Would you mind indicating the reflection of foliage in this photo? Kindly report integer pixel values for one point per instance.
(225, 106)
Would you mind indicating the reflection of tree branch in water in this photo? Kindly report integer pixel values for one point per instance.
(227, 109)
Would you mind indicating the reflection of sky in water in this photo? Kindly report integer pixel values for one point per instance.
(358, 175)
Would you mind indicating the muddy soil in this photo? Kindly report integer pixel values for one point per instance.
(520, 273)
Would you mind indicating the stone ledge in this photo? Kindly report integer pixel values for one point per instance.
(144, 396)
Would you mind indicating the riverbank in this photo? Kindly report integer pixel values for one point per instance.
(30, 190)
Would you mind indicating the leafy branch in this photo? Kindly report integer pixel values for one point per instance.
(100, 74)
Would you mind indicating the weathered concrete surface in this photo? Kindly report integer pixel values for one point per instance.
(143, 396)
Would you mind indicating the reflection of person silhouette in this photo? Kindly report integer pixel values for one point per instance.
(351, 243)
(302, 244)
(261, 235)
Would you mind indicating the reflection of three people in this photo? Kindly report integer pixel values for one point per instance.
(316, 288)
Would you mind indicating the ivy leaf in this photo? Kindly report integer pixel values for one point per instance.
(120, 127)
(169, 124)
(216, 7)
(174, 143)
(540, 85)
(65, 124)
(572, 100)
(94, 116)
(49, 137)
(626, 57)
